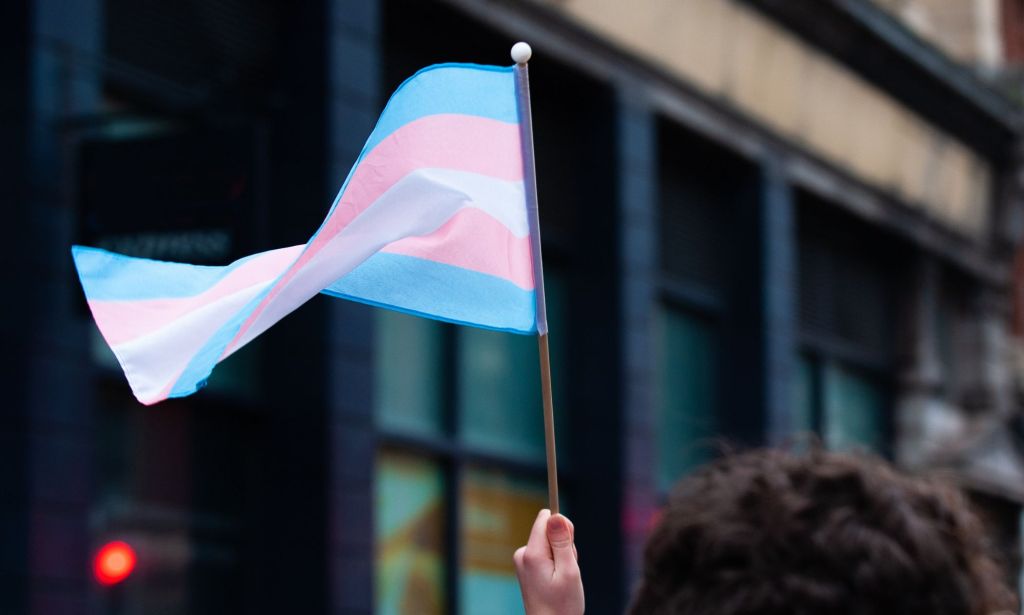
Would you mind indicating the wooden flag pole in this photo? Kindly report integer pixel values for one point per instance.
(549, 422)
(521, 53)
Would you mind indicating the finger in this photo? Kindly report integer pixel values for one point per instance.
(537, 545)
(560, 537)
(572, 532)
(517, 557)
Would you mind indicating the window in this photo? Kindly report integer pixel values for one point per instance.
(847, 327)
(805, 396)
(496, 407)
(460, 467)
(410, 537)
(844, 405)
(499, 384)
(685, 398)
(409, 368)
(496, 509)
(853, 410)
(705, 194)
(950, 331)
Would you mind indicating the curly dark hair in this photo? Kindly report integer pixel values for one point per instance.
(769, 532)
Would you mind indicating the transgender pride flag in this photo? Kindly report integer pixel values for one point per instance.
(432, 220)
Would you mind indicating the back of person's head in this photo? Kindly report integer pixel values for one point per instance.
(771, 532)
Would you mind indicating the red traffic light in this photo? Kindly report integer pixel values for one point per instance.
(114, 562)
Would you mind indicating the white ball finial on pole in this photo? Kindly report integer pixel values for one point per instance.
(521, 53)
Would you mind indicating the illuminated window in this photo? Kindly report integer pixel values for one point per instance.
(410, 538)
(497, 511)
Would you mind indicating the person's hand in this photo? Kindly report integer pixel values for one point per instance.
(549, 575)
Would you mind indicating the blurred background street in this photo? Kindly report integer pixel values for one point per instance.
(765, 222)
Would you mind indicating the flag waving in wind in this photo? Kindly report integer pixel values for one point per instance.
(432, 220)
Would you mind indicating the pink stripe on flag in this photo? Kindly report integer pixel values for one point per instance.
(462, 142)
(474, 240)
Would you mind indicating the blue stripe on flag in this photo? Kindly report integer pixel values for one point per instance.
(464, 89)
(438, 291)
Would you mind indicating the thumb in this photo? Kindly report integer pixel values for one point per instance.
(560, 538)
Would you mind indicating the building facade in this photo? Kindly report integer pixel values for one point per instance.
(761, 221)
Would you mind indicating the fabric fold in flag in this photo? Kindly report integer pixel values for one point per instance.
(431, 220)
